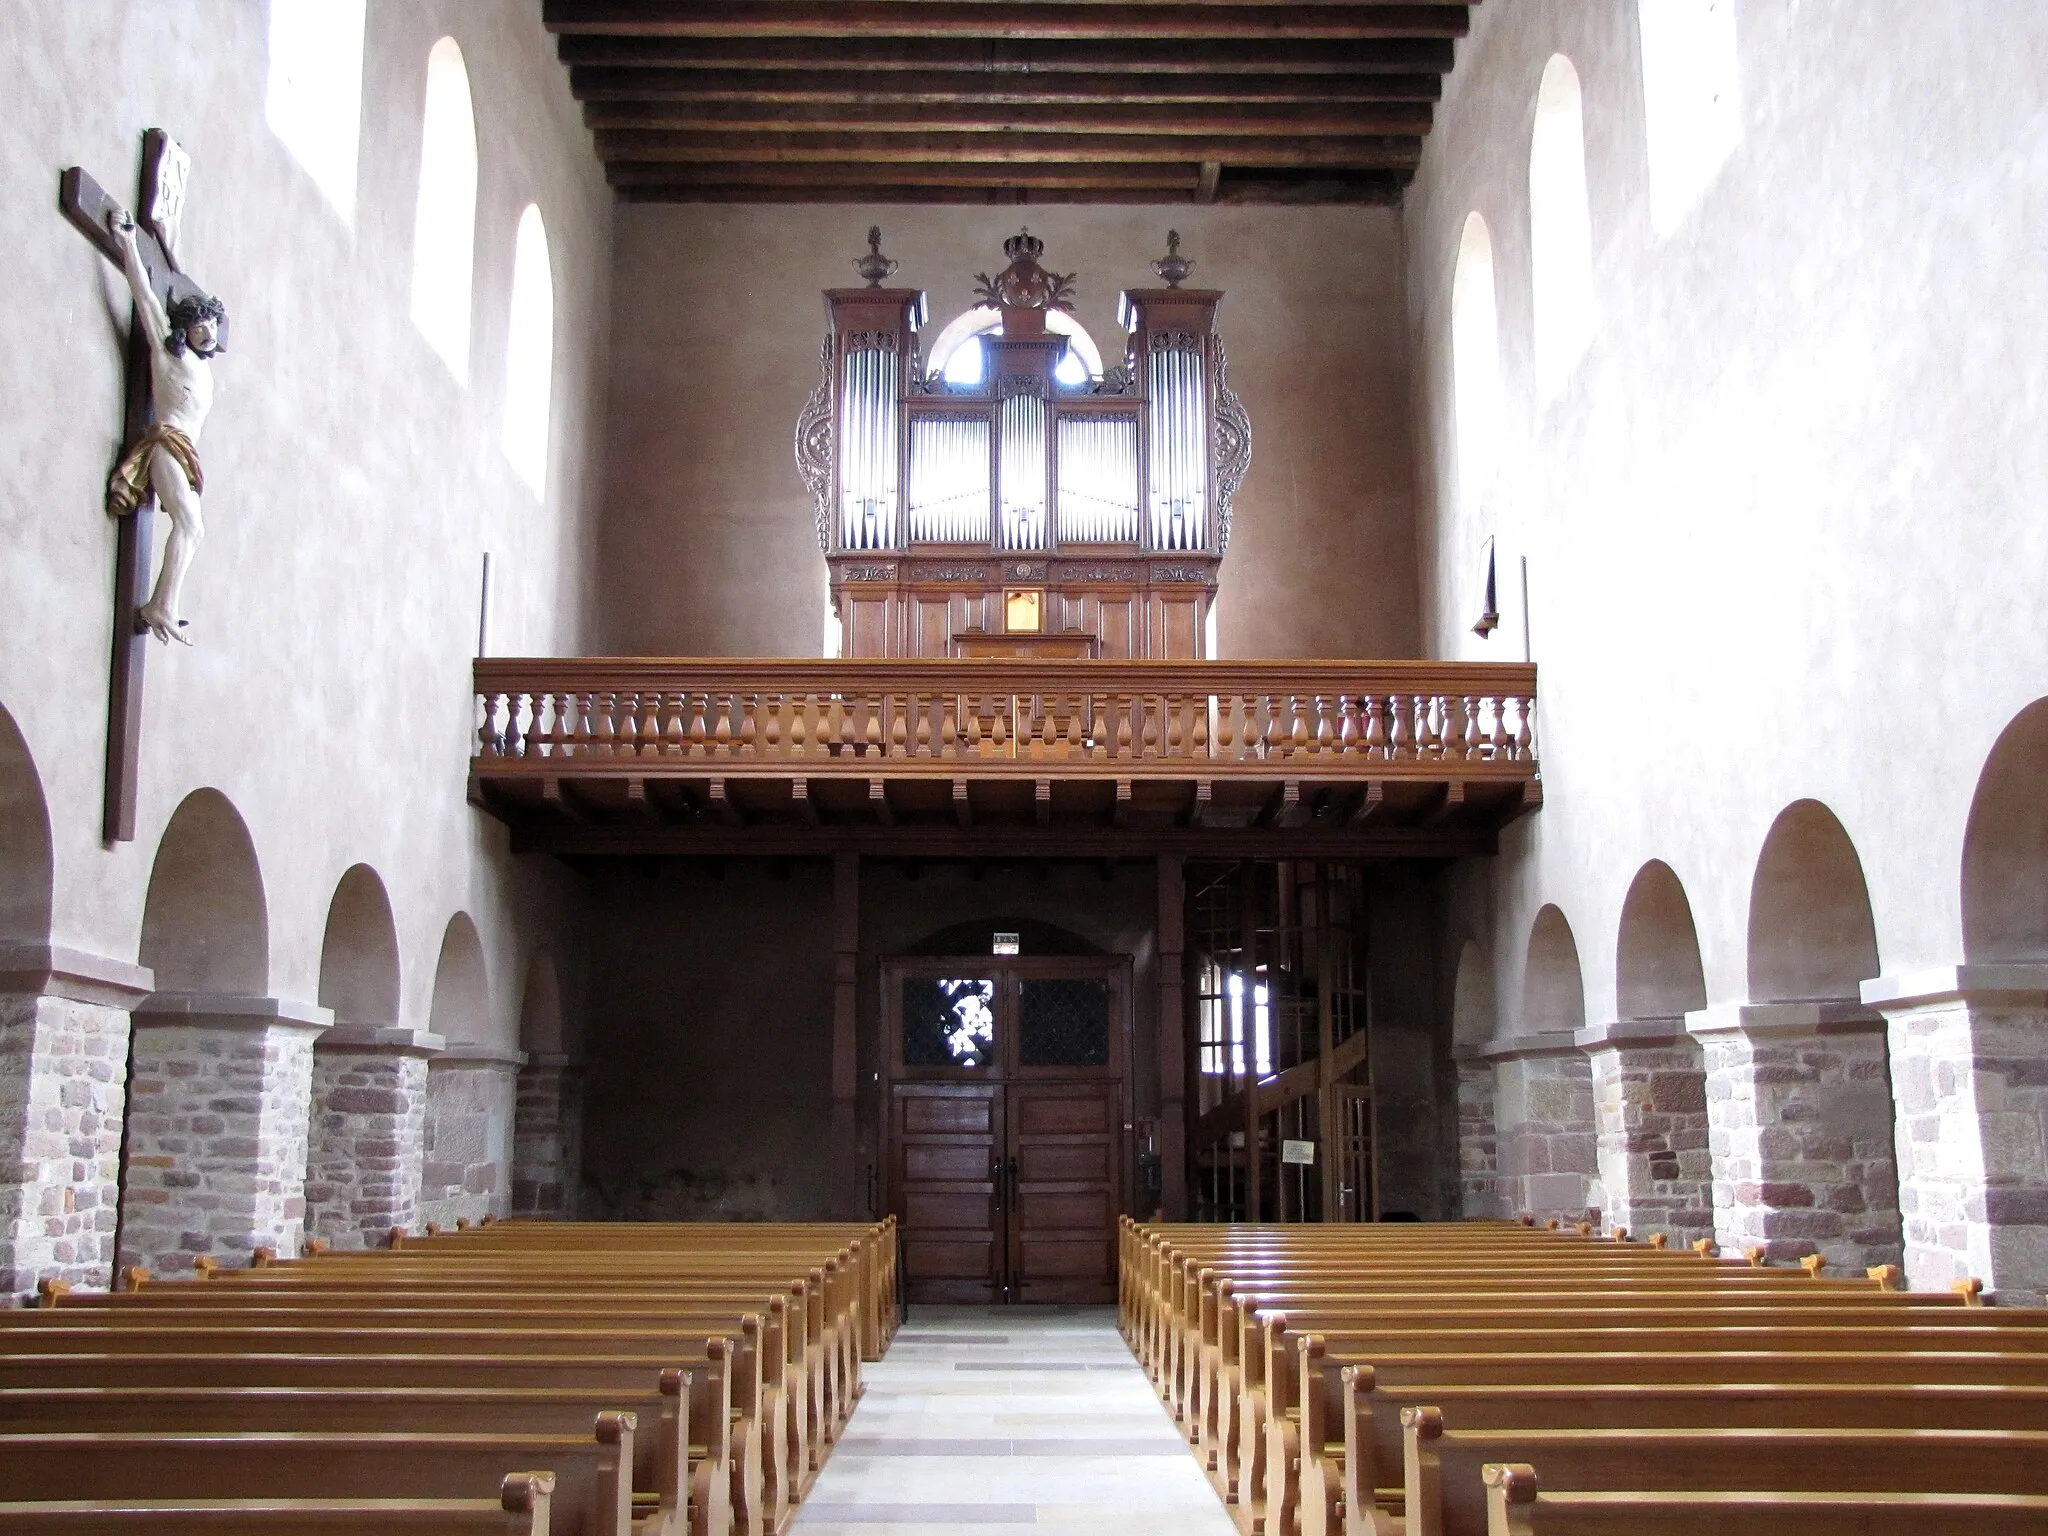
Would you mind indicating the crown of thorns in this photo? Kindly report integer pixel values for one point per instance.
(187, 311)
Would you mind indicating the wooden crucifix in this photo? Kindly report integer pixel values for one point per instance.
(177, 327)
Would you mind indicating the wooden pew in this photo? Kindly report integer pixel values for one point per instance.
(1516, 1506)
(1335, 1484)
(1446, 1492)
(592, 1494)
(521, 1509)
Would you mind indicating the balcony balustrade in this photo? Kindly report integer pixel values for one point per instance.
(995, 755)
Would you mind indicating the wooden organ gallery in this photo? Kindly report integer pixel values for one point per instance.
(1040, 504)
(1023, 539)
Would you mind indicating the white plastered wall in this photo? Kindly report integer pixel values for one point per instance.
(352, 484)
(1783, 522)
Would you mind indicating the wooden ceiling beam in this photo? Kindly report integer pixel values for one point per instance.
(1364, 152)
(1264, 121)
(635, 174)
(1035, 19)
(940, 88)
(998, 187)
(1012, 56)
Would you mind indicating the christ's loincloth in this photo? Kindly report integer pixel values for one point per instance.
(129, 482)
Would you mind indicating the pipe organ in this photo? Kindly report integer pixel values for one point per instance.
(1023, 515)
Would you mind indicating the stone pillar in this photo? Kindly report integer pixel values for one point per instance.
(1543, 1119)
(1969, 1060)
(1478, 1144)
(367, 1145)
(547, 1138)
(63, 1090)
(219, 1108)
(1799, 1110)
(1650, 1111)
(471, 1091)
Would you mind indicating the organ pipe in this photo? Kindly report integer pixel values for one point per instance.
(948, 495)
(1023, 489)
(1179, 480)
(1098, 479)
(867, 449)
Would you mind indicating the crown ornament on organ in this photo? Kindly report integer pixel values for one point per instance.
(1024, 284)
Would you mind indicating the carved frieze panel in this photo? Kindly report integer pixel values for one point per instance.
(1232, 446)
(868, 572)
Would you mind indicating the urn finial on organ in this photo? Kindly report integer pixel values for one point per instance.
(874, 266)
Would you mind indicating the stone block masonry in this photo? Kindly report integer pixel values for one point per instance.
(1650, 1110)
(1969, 1062)
(63, 1087)
(366, 1149)
(547, 1138)
(471, 1090)
(1799, 1108)
(217, 1129)
(1543, 1107)
(1478, 1142)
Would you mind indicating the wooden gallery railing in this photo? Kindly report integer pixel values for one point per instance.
(1389, 720)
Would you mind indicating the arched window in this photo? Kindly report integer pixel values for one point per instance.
(1475, 360)
(444, 227)
(957, 352)
(1692, 104)
(530, 353)
(1560, 228)
(313, 91)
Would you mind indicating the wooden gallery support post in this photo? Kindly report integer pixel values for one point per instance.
(846, 1192)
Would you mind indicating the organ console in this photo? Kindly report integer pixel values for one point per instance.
(1037, 506)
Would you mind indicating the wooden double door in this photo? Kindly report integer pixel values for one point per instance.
(1006, 1125)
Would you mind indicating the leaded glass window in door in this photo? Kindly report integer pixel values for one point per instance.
(1063, 1022)
(949, 1022)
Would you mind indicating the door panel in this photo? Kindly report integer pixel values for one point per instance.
(947, 1142)
(1063, 1137)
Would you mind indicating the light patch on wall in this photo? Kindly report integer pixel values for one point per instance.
(313, 91)
(1475, 361)
(444, 225)
(530, 353)
(1560, 228)
(1692, 100)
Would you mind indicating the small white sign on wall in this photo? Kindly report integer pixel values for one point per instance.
(1301, 1152)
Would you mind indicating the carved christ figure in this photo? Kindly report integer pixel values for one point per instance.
(165, 459)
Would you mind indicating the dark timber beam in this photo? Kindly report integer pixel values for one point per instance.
(1116, 56)
(1021, 147)
(1046, 20)
(1263, 120)
(710, 839)
(905, 89)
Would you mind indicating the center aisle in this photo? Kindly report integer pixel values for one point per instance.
(985, 1417)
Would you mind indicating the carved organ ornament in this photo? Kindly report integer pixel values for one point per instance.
(934, 499)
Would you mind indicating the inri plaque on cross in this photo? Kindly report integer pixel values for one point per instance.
(177, 328)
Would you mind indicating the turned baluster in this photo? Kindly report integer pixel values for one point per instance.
(1429, 719)
(1348, 742)
(1471, 735)
(949, 724)
(670, 731)
(921, 712)
(1198, 740)
(1400, 741)
(1525, 732)
(799, 723)
(1147, 724)
(697, 710)
(1122, 707)
(626, 713)
(604, 725)
(490, 739)
(1277, 729)
(720, 707)
(771, 725)
(1225, 706)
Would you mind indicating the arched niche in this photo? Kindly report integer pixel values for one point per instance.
(2005, 847)
(1658, 974)
(1473, 1018)
(359, 954)
(206, 921)
(27, 863)
(1560, 227)
(540, 1009)
(1811, 935)
(1476, 404)
(461, 1011)
(1553, 987)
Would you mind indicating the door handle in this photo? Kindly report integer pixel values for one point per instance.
(1013, 1183)
(995, 1176)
